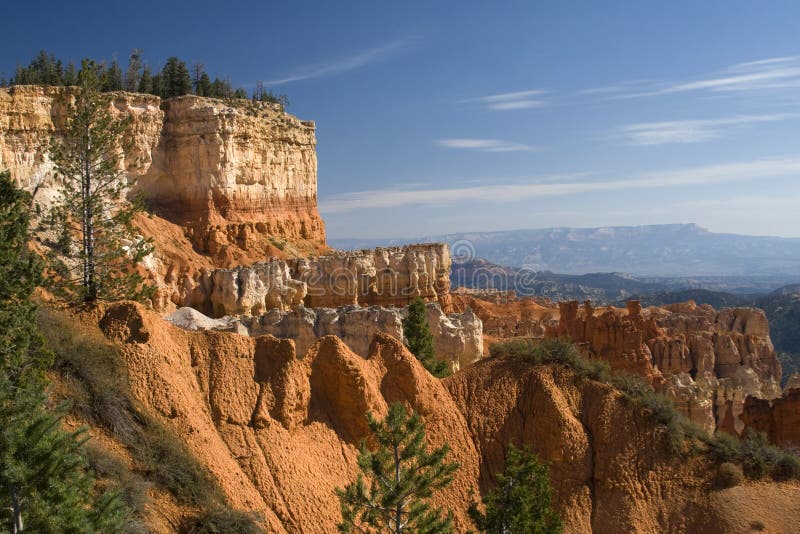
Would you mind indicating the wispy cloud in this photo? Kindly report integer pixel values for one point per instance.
(739, 204)
(531, 98)
(689, 131)
(486, 145)
(500, 193)
(344, 64)
(752, 76)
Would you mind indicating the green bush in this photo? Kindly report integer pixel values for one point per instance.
(729, 475)
(552, 351)
(723, 447)
(222, 521)
(788, 467)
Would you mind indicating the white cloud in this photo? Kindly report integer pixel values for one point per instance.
(709, 174)
(507, 101)
(761, 75)
(689, 131)
(486, 145)
(338, 66)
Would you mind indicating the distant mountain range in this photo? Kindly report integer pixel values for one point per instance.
(671, 250)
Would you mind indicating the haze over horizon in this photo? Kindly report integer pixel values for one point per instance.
(463, 117)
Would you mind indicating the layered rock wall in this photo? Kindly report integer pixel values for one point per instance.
(232, 173)
(382, 277)
(708, 362)
(457, 337)
(610, 335)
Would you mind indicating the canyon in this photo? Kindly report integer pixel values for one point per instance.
(263, 348)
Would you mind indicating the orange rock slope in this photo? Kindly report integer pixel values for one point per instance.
(279, 430)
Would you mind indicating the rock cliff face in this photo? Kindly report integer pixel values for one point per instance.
(698, 339)
(779, 418)
(707, 361)
(232, 174)
(280, 432)
(610, 335)
(457, 337)
(383, 277)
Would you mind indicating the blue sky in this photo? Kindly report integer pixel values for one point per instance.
(439, 117)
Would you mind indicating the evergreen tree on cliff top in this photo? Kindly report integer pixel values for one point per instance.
(419, 339)
(521, 502)
(44, 481)
(92, 207)
(400, 475)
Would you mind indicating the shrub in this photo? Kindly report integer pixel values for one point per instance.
(757, 455)
(729, 475)
(552, 351)
(788, 467)
(723, 447)
(222, 521)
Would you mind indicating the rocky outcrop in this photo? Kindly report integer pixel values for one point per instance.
(610, 335)
(382, 276)
(505, 315)
(708, 362)
(252, 290)
(457, 337)
(778, 418)
(697, 339)
(233, 174)
(279, 432)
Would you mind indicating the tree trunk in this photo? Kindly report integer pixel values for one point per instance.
(398, 513)
(16, 512)
(89, 275)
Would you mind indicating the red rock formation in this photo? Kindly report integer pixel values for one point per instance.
(504, 315)
(778, 418)
(610, 335)
(279, 432)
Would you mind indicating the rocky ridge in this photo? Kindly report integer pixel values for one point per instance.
(382, 277)
(279, 431)
(458, 337)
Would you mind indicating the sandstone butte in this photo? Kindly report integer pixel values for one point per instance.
(240, 249)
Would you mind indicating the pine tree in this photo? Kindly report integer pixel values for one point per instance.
(145, 81)
(132, 75)
(112, 81)
(204, 85)
(521, 503)
(198, 70)
(419, 339)
(44, 479)
(219, 89)
(401, 476)
(157, 84)
(87, 162)
(70, 75)
(175, 79)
